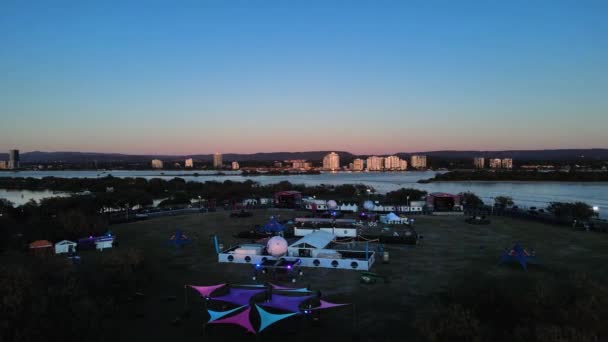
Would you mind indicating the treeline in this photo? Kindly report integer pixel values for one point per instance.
(553, 176)
(161, 188)
(278, 173)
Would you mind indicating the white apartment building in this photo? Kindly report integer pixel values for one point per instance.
(331, 161)
(157, 164)
(358, 164)
(479, 162)
(217, 161)
(418, 161)
(495, 163)
(375, 163)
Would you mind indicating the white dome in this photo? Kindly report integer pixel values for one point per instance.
(331, 204)
(368, 205)
(276, 246)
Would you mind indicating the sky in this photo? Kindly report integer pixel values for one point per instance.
(187, 77)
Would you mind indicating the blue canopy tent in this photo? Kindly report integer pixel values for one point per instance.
(272, 226)
(518, 254)
(179, 239)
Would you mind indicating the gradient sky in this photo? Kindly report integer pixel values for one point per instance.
(249, 76)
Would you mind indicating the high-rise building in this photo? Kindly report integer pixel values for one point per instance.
(157, 164)
(358, 164)
(331, 161)
(375, 163)
(299, 164)
(392, 163)
(189, 163)
(3, 164)
(402, 164)
(418, 161)
(217, 161)
(235, 165)
(13, 160)
(507, 163)
(495, 163)
(479, 162)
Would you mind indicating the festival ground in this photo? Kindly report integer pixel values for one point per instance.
(450, 250)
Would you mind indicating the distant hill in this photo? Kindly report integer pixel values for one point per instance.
(79, 157)
(537, 155)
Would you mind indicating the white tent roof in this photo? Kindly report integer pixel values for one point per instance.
(65, 242)
(392, 217)
(317, 239)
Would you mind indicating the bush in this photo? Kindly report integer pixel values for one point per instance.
(519, 308)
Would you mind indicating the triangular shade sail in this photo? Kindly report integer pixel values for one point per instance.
(286, 303)
(288, 289)
(267, 318)
(326, 305)
(241, 319)
(215, 315)
(239, 296)
(206, 291)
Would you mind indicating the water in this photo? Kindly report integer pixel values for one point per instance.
(19, 197)
(524, 194)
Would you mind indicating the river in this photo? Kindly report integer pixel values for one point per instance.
(524, 194)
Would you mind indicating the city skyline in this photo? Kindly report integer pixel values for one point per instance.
(250, 77)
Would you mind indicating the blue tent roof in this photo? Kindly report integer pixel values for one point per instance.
(179, 239)
(272, 226)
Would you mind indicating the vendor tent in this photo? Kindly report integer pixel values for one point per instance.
(103, 242)
(65, 246)
(392, 217)
(41, 247)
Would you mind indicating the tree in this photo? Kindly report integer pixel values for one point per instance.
(577, 210)
(404, 196)
(471, 201)
(503, 201)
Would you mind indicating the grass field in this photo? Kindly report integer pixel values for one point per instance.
(451, 249)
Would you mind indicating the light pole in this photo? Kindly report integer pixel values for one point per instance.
(200, 205)
(596, 211)
(408, 200)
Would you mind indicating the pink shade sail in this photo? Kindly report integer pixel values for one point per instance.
(206, 291)
(326, 305)
(241, 319)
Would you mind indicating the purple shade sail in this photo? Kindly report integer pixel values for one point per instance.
(241, 319)
(206, 291)
(239, 296)
(286, 303)
(326, 305)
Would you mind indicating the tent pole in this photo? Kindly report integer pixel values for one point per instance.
(185, 297)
